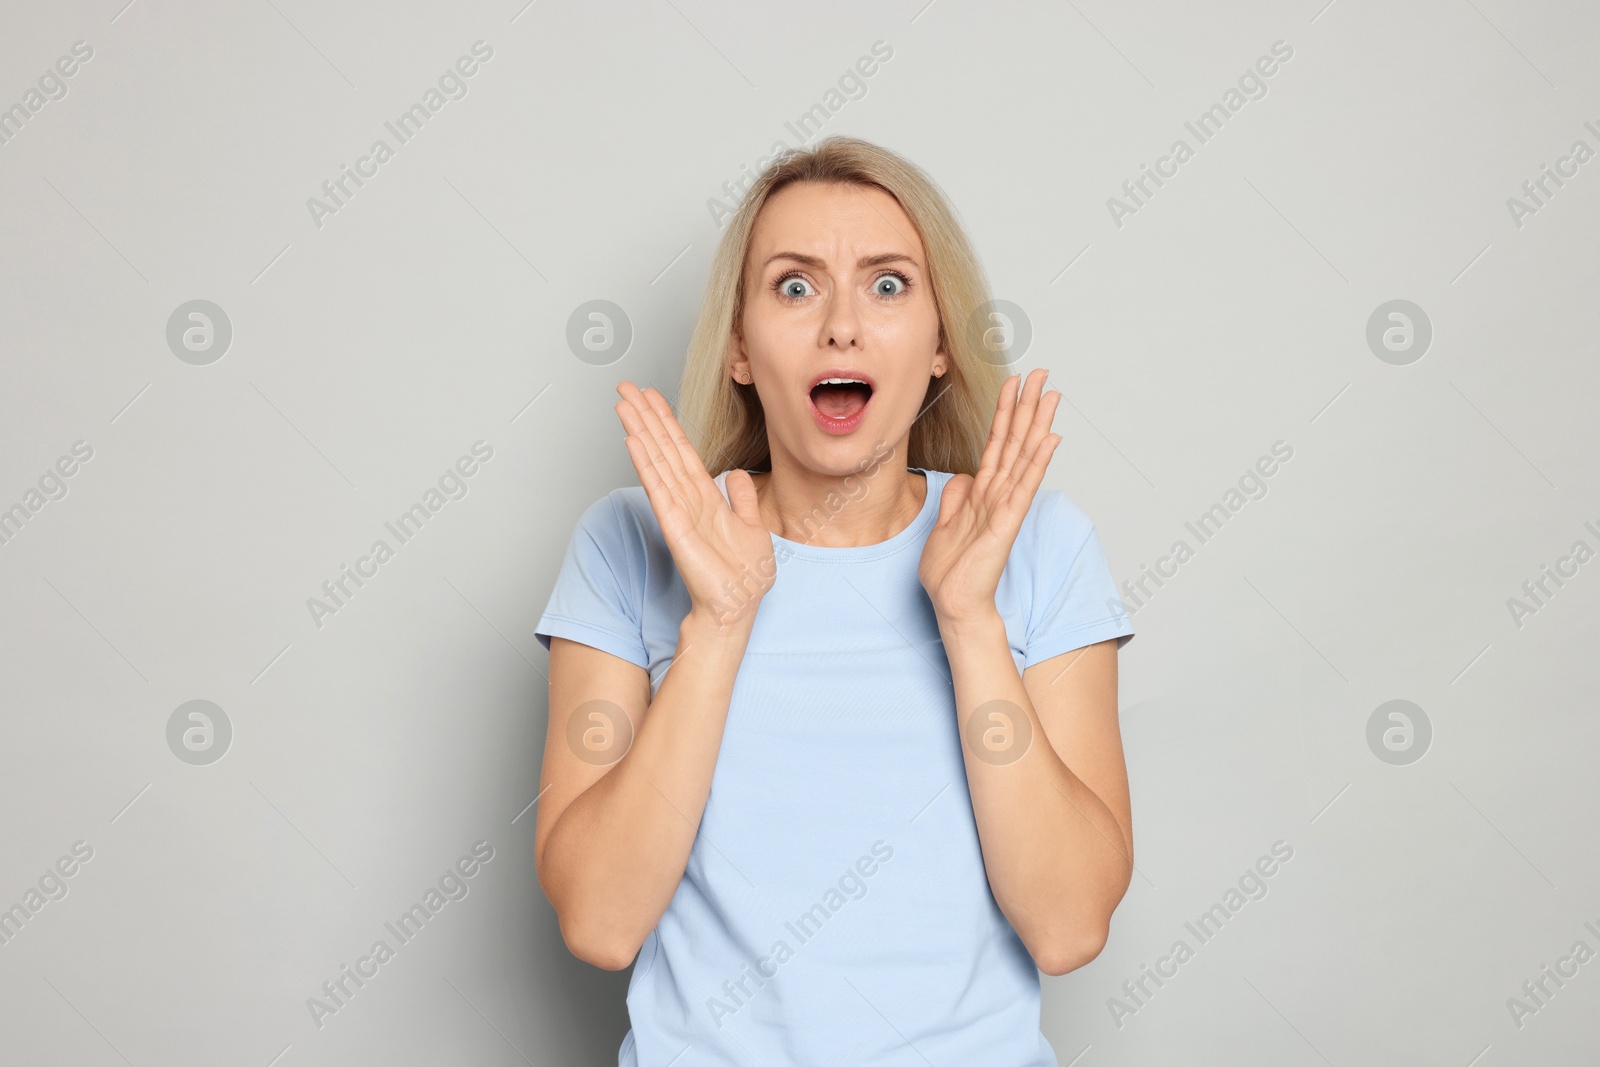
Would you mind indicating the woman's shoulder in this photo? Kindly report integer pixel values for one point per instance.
(629, 502)
(618, 522)
(1055, 526)
(1057, 510)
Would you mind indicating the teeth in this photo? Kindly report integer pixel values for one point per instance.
(841, 381)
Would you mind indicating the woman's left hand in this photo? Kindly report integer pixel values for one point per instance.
(979, 517)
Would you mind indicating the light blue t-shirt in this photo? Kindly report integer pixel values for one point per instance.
(834, 909)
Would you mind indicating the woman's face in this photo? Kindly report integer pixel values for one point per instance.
(836, 286)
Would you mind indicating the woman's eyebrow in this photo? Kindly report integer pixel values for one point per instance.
(865, 261)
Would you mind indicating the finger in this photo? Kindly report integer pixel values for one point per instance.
(688, 458)
(654, 405)
(1028, 466)
(1030, 428)
(638, 425)
(628, 411)
(988, 467)
(990, 460)
(649, 422)
(651, 430)
(661, 499)
(1032, 475)
(1021, 420)
(1043, 414)
(665, 502)
(634, 425)
(954, 494)
(742, 496)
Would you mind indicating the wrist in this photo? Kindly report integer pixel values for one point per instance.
(711, 627)
(966, 624)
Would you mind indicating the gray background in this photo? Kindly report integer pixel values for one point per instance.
(370, 753)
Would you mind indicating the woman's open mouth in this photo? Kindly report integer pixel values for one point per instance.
(839, 402)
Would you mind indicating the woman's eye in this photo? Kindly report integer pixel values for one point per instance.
(890, 285)
(794, 288)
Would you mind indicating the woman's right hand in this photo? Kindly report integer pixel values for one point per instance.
(724, 554)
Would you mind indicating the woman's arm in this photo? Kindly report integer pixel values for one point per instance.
(613, 835)
(1057, 840)
(1049, 787)
(611, 842)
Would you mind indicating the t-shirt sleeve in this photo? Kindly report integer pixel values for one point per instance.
(1075, 601)
(596, 599)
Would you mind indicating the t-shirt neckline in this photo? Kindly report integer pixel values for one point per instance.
(859, 553)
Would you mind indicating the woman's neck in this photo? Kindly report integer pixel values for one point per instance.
(848, 511)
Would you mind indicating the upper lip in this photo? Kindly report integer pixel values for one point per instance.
(836, 372)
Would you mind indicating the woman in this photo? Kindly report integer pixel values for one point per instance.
(833, 742)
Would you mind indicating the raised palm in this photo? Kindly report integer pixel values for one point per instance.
(979, 517)
(724, 554)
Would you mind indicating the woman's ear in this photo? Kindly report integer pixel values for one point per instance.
(737, 362)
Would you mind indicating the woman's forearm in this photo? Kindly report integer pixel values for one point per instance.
(617, 853)
(1057, 859)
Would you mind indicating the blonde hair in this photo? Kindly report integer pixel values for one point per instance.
(724, 419)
